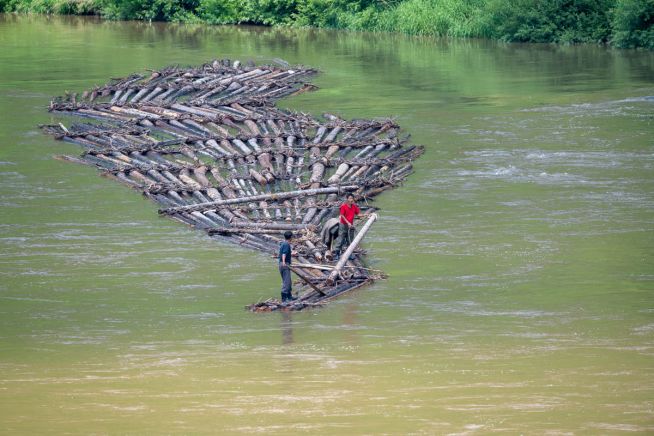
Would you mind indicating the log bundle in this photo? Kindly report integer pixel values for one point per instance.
(209, 145)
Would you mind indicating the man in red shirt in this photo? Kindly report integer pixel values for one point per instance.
(346, 224)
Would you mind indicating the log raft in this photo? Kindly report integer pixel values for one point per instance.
(211, 148)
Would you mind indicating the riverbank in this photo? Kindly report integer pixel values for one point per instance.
(619, 23)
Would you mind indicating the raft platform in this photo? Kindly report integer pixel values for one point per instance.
(209, 145)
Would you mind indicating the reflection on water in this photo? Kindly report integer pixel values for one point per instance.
(519, 253)
(287, 328)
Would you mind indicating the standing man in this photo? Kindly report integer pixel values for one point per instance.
(346, 224)
(284, 266)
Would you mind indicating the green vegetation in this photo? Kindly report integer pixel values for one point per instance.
(622, 23)
(633, 23)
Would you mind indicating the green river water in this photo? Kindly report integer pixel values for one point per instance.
(520, 253)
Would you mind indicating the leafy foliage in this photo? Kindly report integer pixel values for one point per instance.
(63, 7)
(633, 24)
(434, 17)
(623, 23)
(562, 21)
(151, 10)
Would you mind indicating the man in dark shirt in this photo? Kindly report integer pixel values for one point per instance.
(284, 269)
(348, 211)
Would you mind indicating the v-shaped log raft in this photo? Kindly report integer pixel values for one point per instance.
(209, 146)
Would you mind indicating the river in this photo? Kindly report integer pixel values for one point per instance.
(520, 253)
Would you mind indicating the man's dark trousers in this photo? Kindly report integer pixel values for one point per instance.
(345, 237)
(285, 272)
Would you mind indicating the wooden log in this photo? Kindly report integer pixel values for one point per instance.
(314, 250)
(301, 274)
(350, 249)
(134, 174)
(172, 177)
(270, 226)
(264, 206)
(157, 90)
(193, 110)
(239, 230)
(258, 177)
(319, 134)
(253, 127)
(185, 177)
(252, 142)
(219, 129)
(241, 146)
(275, 127)
(197, 126)
(298, 170)
(274, 196)
(140, 95)
(290, 161)
(340, 171)
(225, 144)
(266, 164)
(324, 213)
(125, 96)
(123, 178)
(102, 114)
(289, 215)
(135, 112)
(164, 112)
(331, 151)
(85, 161)
(185, 130)
(317, 171)
(214, 145)
(116, 96)
(332, 135)
(157, 176)
(164, 96)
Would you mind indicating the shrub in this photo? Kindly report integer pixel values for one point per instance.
(563, 21)
(625, 23)
(434, 17)
(150, 10)
(633, 24)
(219, 11)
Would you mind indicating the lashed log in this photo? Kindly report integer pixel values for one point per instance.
(270, 226)
(306, 279)
(240, 230)
(258, 177)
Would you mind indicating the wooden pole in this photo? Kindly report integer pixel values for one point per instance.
(307, 280)
(252, 198)
(353, 245)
